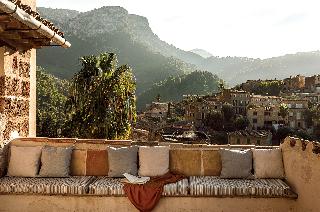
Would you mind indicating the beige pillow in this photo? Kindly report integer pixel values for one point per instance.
(24, 161)
(267, 163)
(153, 161)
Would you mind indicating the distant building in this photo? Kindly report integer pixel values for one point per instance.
(198, 109)
(294, 83)
(311, 97)
(297, 108)
(264, 117)
(247, 137)
(239, 99)
(157, 110)
(312, 83)
(265, 100)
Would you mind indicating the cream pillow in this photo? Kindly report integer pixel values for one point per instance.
(153, 161)
(24, 161)
(267, 163)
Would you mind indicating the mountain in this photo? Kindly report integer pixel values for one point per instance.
(235, 70)
(107, 29)
(172, 89)
(113, 29)
(202, 53)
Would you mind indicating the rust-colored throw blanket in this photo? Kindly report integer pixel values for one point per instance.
(145, 197)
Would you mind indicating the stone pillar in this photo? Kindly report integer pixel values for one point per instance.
(15, 108)
(18, 91)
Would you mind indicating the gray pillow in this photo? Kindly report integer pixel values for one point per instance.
(55, 161)
(122, 160)
(236, 163)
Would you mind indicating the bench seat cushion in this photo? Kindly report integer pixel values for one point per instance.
(114, 187)
(215, 186)
(70, 185)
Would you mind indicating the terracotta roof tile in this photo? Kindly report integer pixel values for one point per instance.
(37, 16)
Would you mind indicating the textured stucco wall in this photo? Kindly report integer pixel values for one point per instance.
(302, 167)
(122, 204)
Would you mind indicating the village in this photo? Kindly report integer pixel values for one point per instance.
(257, 112)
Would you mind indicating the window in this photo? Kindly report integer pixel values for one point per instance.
(266, 113)
(238, 140)
(258, 142)
(248, 140)
(254, 121)
(255, 113)
(298, 115)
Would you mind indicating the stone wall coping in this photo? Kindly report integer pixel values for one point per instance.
(130, 142)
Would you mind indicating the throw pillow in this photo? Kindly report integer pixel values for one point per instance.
(122, 160)
(55, 161)
(24, 161)
(153, 161)
(236, 163)
(267, 163)
(96, 162)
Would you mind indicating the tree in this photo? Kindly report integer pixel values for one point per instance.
(214, 120)
(51, 99)
(241, 123)
(101, 102)
(228, 112)
(283, 132)
(283, 110)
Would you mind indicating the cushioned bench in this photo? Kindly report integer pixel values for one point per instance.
(215, 186)
(106, 186)
(70, 185)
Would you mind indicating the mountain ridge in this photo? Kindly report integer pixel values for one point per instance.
(113, 29)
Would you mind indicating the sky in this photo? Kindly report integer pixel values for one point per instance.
(248, 28)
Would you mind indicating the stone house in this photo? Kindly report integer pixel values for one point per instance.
(297, 108)
(157, 110)
(264, 117)
(23, 31)
(197, 110)
(239, 99)
(312, 83)
(250, 137)
(265, 100)
(294, 83)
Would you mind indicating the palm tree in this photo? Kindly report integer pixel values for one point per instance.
(102, 99)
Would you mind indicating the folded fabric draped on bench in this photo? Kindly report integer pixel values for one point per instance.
(146, 196)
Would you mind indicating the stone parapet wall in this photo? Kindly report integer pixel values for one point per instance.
(302, 168)
(31, 203)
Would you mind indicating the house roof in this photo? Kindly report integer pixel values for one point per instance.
(22, 28)
(253, 133)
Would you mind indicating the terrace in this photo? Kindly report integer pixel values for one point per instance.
(89, 157)
(301, 165)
